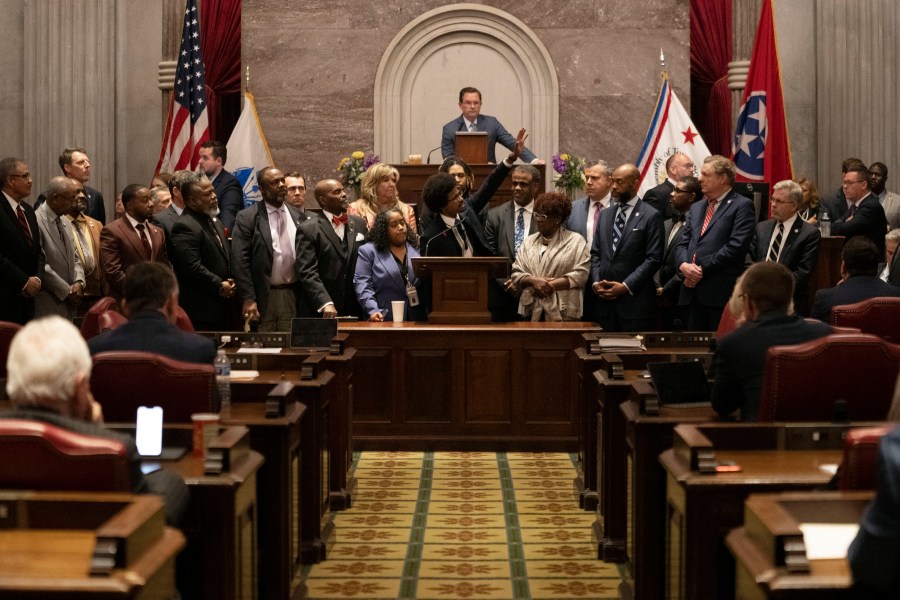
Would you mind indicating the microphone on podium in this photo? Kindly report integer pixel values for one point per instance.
(442, 232)
(428, 159)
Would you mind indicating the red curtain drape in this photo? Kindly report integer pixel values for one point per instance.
(711, 52)
(220, 40)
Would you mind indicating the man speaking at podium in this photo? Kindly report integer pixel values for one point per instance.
(472, 120)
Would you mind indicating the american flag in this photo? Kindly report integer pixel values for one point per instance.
(186, 126)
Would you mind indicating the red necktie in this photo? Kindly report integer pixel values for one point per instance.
(23, 225)
(341, 220)
(709, 213)
(597, 208)
(145, 241)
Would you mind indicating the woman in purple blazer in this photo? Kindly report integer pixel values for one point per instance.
(384, 271)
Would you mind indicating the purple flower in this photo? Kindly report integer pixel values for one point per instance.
(370, 159)
(559, 165)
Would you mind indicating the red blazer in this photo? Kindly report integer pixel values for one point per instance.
(121, 247)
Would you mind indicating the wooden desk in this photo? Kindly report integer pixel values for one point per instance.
(771, 521)
(472, 387)
(701, 507)
(86, 545)
(645, 437)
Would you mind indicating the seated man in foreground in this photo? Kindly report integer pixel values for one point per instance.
(49, 380)
(767, 289)
(151, 305)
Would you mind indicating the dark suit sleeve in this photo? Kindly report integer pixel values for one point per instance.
(230, 203)
(491, 231)
(754, 247)
(643, 275)
(97, 209)
(735, 249)
(821, 309)
(807, 260)
(448, 139)
(874, 555)
(241, 243)
(186, 247)
(307, 265)
(488, 187)
(728, 393)
(509, 142)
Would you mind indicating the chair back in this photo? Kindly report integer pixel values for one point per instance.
(859, 468)
(91, 324)
(840, 377)
(7, 332)
(879, 316)
(123, 381)
(40, 456)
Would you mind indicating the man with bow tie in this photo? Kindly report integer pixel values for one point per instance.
(327, 249)
(263, 255)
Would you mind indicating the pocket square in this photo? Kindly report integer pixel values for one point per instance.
(360, 237)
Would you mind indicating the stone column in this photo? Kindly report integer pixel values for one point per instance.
(173, 21)
(744, 19)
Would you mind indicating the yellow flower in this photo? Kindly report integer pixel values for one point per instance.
(358, 155)
(344, 161)
(564, 156)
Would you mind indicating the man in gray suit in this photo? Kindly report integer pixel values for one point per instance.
(63, 282)
(890, 202)
(263, 255)
(167, 217)
(506, 228)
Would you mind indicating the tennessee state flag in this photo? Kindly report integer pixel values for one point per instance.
(761, 149)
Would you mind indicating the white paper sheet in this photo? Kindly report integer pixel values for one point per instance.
(828, 540)
(244, 375)
(259, 351)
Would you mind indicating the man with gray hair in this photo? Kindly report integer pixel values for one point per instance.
(49, 373)
(63, 282)
(889, 270)
(161, 198)
(167, 217)
(789, 240)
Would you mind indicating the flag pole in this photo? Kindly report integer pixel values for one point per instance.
(247, 78)
(662, 64)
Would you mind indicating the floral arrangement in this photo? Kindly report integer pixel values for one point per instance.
(569, 172)
(352, 168)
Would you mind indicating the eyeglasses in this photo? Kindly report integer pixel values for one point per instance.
(849, 183)
(540, 217)
(25, 176)
(680, 191)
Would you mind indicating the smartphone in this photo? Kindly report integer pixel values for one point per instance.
(148, 435)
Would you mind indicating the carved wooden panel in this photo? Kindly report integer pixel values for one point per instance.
(488, 380)
(373, 386)
(428, 377)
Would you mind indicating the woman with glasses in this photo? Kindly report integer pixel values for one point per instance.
(551, 266)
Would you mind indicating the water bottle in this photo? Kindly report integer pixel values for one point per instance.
(223, 381)
(825, 224)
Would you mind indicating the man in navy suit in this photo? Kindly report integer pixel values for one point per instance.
(471, 119)
(859, 274)
(151, 305)
(327, 251)
(714, 244)
(213, 155)
(677, 166)
(668, 280)
(788, 239)
(865, 215)
(21, 255)
(625, 256)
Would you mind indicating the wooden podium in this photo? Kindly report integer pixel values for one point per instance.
(460, 286)
(472, 146)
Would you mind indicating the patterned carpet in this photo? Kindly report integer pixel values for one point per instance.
(468, 525)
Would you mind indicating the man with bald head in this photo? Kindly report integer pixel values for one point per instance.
(625, 255)
(262, 255)
(131, 239)
(327, 248)
(677, 166)
(63, 282)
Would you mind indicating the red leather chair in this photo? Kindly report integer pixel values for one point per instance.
(40, 456)
(123, 381)
(91, 325)
(806, 381)
(859, 468)
(880, 316)
(7, 332)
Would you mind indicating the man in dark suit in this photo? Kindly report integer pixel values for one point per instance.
(788, 239)
(471, 119)
(63, 283)
(213, 156)
(263, 255)
(859, 274)
(166, 219)
(713, 245)
(455, 229)
(327, 250)
(625, 256)
(151, 305)
(836, 202)
(865, 215)
(21, 254)
(131, 239)
(740, 358)
(668, 280)
(61, 396)
(76, 165)
(677, 166)
(506, 228)
(874, 555)
(201, 258)
(296, 191)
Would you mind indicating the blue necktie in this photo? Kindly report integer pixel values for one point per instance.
(618, 227)
(520, 229)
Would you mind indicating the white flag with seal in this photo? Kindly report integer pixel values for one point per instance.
(248, 151)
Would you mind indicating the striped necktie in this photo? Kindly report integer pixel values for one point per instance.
(618, 226)
(776, 245)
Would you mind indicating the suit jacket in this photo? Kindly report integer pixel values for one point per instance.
(63, 266)
(668, 277)
(720, 251)
(95, 280)
(148, 331)
(230, 196)
(875, 553)
(658, 197)
(894, 273)
(96, 209)
(251, 253)
(869, 221)
(633, 262)
(853, 289)
(121, 247)
(740, 359)
(325, 267)
(835, 203)
(496, 134)
(165, 220)
(500, 230)
(439, 240)
(892, 209)
(378, 282)
(578, 218)
(799, 249)
(201, 257)
(18, 262)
